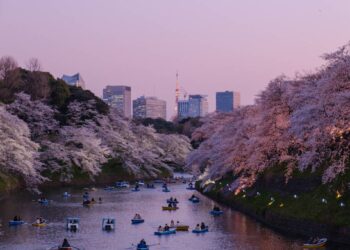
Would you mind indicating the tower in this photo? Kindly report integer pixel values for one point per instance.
(177, 94)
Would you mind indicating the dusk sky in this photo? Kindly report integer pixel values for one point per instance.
(215, 45)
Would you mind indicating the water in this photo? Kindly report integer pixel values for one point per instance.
(232, 230)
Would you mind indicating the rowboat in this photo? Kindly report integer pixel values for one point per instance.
(320, 243)
(72, 223)
(198, 231)
(108, 224)
(15, 222)
(39, 224)
(166, 190)
(214, 212)
(137, 221)
(181, 228)
(43, 201)
(172, 201)
(170, 231)
(170, 208)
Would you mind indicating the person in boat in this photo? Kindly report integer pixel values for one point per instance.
(142, 244)
(172, 223)
(171, 199)
(37, 221)
(100, 200)
(65, 243)
(92, 199)
(198, 227)
(160, 229)
(15, 218)
(175, 200)
(170, 205)
(166, 227)
(193, 197)
(216, 209)
(178, 223)
(203, 226)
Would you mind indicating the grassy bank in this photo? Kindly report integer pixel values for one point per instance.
(303, 206)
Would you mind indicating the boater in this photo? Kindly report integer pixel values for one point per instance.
(65, 243)
(203, 226)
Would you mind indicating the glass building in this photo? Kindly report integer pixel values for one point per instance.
(227, 101)
(118, 97)
(149, 107)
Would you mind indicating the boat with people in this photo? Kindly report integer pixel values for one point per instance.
(190, 186)
(137, 219)
(178, 226)
(43, 201)
(72, 223)
(216, 211)
(108, 188)
(194, 199)
(172, 201)
(16, 221)
(122, 184)
(40, 222)
(108, 224)
(198, 231)
(166, 189)
(142, 245)
(165, 232)
(315, 243)
(150, 186)
(64, 246)
(200, 228)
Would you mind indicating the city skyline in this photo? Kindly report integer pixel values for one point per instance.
(142, 44)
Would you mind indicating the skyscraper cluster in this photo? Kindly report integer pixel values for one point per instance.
(119, 97)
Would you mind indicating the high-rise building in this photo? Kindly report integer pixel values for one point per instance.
(74, 80)
(182, 109)
(227, 101)
(195, 106)
(198, 105)
(149, 107)
(118, 97)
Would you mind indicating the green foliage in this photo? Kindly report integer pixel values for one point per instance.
(59, 93)
(160, 125)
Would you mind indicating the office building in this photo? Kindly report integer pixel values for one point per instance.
(182, 109)
(118, 97)
(74, 80)
(149, 107)
(227, 101)
(195, 106)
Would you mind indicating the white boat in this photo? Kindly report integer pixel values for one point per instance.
(122, 184)
(108, 224)
(72, 223)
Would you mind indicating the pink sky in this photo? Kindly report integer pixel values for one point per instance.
(216, 45)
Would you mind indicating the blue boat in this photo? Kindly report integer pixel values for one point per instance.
(166, 190)
(172, 201)
(199, 231)
(43, 201)
(137, 221)
(214, 212)
(170, 231)
(142, 247)
(195, 200)
(16, 222)
(108, 188)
